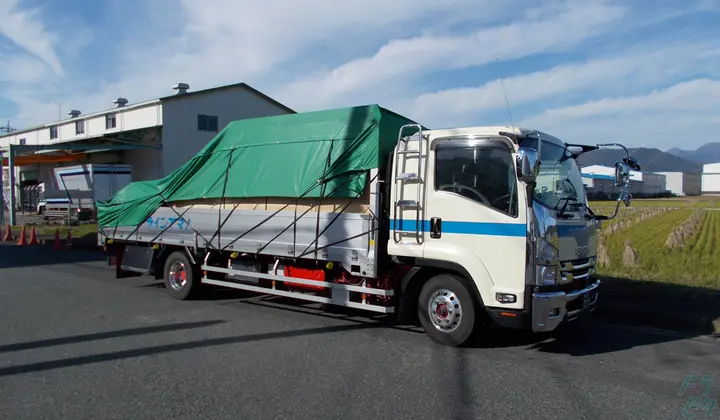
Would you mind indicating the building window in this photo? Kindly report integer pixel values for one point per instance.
(53, 132)
(110, 121)
(484, 174)
(22, 141)
(207, 123)
(79, 127)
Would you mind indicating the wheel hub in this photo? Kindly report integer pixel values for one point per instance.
(177, 275)
(445, 310)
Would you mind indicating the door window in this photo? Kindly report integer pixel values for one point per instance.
(482, 173)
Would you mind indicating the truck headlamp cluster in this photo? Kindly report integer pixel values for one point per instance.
(547, 253)
(548, 270)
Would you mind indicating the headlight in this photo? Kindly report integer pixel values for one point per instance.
(547, 253)
(548, 275)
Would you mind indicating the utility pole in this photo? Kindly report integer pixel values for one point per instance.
(7, 129)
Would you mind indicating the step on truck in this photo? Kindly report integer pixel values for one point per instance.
(460, 229)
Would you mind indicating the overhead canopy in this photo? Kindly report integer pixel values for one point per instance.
(278, 156)
(24, 160)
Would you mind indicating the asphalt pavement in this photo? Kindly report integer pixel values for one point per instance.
(76, 343)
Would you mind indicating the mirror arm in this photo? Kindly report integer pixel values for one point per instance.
(614, 215)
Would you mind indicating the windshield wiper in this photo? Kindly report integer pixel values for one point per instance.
(590, 215)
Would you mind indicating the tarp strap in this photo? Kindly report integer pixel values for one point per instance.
(180, 216)
(322, 193)
(168, 226)
(295, 201)
(221, 225)
(317, 236)
(293, 224)
(222, 200)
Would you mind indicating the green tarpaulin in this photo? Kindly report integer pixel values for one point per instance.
(279, 156)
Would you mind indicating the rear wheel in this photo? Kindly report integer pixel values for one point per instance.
(182, 279)
(447, 310)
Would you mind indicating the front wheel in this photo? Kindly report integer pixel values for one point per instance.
(182, 279)
(447, 310)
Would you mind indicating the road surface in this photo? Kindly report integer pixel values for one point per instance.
(75, 343)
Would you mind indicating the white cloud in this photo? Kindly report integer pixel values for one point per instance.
(406, 59)
(684, 114)
(25, 29)
(22, 69)
(631, 70)
(216, 45)
(319, 53)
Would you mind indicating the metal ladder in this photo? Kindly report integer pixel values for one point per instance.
(402, 148)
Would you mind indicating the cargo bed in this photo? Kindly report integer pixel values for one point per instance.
(345, 228)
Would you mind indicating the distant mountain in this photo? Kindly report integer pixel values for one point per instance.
(709, 153)
(651, 160)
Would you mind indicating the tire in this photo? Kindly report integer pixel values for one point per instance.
(178, 268)
(447, 310)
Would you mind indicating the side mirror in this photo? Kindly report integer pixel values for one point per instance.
(528, 164)
(622, 173)
(632, 163)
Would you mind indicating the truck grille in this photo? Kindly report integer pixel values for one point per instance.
(577, 274)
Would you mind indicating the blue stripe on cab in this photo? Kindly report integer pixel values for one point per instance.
(464, 228)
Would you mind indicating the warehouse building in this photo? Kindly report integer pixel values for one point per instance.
(155, 137)
(711, 179)
(682, 183)
(599, 179)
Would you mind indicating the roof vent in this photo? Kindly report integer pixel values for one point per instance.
(181, 88)
(74, 113)
(120, 102)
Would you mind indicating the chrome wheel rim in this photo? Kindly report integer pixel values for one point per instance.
(177, 275)
(445, 310)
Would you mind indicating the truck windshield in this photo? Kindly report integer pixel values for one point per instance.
(559, 179)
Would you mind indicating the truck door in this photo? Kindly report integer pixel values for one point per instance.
(475, 214)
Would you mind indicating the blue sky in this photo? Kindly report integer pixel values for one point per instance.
(646, 73)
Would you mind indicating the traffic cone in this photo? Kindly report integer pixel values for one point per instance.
(57, 244)
(33, 237)
(7, 237)
(68, 240)
(23, 237)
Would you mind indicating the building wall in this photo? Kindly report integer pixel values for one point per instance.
(710, 182)
(653, 183)
(147, 164)
(674, 181)
(181, 137)
(692, 184)
(127, 118)
(682, 183)
(607, 186)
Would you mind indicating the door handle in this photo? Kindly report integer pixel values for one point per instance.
(435, 227)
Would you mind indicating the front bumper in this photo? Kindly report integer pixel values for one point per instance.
(550, 309)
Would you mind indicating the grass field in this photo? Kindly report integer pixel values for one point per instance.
(663, 240)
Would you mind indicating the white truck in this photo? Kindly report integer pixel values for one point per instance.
(460, 229)
(78, 187)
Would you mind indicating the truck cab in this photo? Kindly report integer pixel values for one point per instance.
(496, 225)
